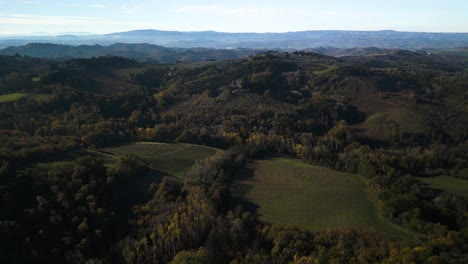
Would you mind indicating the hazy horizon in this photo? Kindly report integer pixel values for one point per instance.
(52, 34)
(105, 16)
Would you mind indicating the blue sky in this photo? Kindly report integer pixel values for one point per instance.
(104, 16)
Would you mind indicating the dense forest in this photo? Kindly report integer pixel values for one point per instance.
(393, 117)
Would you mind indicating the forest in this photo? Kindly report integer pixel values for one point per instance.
(78, 135)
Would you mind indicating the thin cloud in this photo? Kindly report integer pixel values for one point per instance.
(26, 19)
(245, 11)
(98, 6)
(70, 4)
(129, 9)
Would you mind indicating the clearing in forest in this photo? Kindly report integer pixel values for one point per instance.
(171, 159)
(287, 191)
(447, 183)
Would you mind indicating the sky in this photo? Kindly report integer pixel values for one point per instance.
(18, 17)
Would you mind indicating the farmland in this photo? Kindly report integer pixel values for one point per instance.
(13, 97)
(447, 183)
(76, 186)
(8, 98)
(171, 159)
(287, 191)
(162, 159)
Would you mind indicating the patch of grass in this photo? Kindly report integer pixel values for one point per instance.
(42, 98)
(409, 121)
(287, 191)
(13, 97)
(456, 52)
(327, 70)
(447, 183)
(111, 85)
(163, 160)
(172, 159)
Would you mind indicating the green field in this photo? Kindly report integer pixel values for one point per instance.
(447, 183)
(163, 160)
(456, 52)
(287, 191)
(409, 121)
(13, 97)
(171, 159)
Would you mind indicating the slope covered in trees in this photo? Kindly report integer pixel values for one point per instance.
(349, 114)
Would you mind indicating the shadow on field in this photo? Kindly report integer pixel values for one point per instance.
(127, 195)
(241, 187)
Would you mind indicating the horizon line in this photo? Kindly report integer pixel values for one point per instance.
(58, 34)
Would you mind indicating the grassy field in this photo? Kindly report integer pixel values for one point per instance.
(409, 121)
(171, 159)
(163, 160)
(13, 97)
(456, 52)
(287, 191)
(326, 70)
(447, 183)
(379, 109)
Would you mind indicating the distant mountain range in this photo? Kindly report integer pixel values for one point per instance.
(290, 40)
(146, 52)
(155, 53)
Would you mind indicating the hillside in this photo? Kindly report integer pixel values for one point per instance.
(144, 52)
(288, 191)
(377, 139)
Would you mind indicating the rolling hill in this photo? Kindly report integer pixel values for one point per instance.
(146, 52)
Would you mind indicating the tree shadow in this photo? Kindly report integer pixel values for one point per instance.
(127, 195)
(241, 186)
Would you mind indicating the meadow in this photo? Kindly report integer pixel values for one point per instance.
(162, 159)
(13, 97)
(170, 159)
(287, 191)
(447, 183)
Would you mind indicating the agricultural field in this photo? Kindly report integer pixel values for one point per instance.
(162, 159)
(171, 159)
(287, 191)
(455, 52)
(13, 97)
(380, 109)
(447, 183)
(403, 116)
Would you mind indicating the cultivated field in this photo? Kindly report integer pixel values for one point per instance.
(447, 183)
(163, 160)
(13, 97)
(287, 191)
(171, 159)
